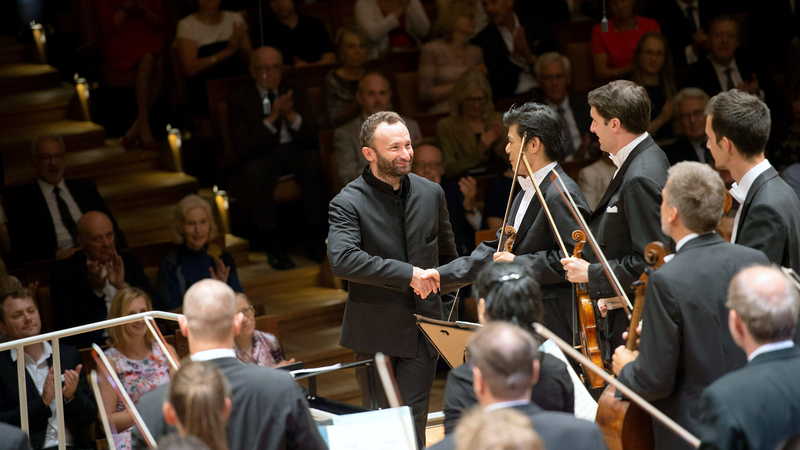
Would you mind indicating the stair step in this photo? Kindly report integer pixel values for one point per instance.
(78, 135)
(141, 190)
(28, 108)
(238, 248)
(144, 226)
(24, 77)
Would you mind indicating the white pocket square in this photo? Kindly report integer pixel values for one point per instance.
(611, 209)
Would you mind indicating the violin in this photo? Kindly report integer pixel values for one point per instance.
(626, 425)
(588, 327)
(512, 236)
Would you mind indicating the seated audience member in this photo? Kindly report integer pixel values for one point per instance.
(82, 286)
(20, 319)
(504, 428)
(465, 217)
(505, 365)
(42, 215)
(652, 68)
(212, 44)
(274, 135)
(265, 419)
(133, 41)
(612, 52)
(13, 438)
(690, 105)
(392, 24)
(496, 198)
(506, 51)
(253, 346)
(302, 40)
(477, 11)
(199, 403)
(553, 72)
(177, 442)
(472, 135)
(756, 406)
(140, 363)
(441, 61)
(341, 83)
(595, 178)
(684, 24)
(197, 256)
(374, 95)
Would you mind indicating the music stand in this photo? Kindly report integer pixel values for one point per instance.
(449, 338)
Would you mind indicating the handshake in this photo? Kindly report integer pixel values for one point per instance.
(425, 281)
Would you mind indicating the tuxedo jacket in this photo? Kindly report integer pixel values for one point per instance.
(628, 218)
(683, 150)
(675, 26)
(558, 431)
(685, 342)
(755, 407)
(268, 411)
(81, 411)
(13, 438)
(375, 240)
(30, 225)
(553, 392)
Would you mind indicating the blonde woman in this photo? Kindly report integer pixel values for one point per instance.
(138, 360)
(197, 257)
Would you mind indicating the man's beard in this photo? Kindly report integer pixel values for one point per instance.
(389, 170)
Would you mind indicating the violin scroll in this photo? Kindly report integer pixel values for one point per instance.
(512, 236)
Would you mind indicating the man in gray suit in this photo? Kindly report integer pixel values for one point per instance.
(268, 410)
(385, 228)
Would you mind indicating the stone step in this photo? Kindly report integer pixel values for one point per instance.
(144, 226)
(78, 135)
(29, 108)
(25, 77)
(145, 189)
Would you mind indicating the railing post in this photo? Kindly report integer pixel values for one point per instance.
(62, 444)
(23, 392)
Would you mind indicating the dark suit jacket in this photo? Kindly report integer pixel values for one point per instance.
(682, 150)
(675, 26)
(685, 342)
(268, 411)
(579, 104)
(553, 392)
(13, 438)
(78, 413)
(535, 245)
(754, 407)
(705, 77)
(503, 74)
(558, 430)
(251, 138)
(75, 303)
(374, 242)
(30, 224)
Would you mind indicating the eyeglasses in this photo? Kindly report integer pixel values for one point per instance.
(249, 312)
(425, 166)
(696, 114)
(475, 99)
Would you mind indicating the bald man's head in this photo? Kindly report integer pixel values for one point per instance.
(96, 236)
(266, 67)
(766, 302)
(374, 94)
(210, 307)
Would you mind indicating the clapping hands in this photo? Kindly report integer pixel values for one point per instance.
(425, 281)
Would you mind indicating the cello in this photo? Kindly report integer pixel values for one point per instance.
(588, 327)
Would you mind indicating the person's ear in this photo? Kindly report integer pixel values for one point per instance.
(170, 415)
(369, 154)
(183, 324)
(536, 367)
(535, 146)
(226, 413)
(615, 124)
(237, 323)
(3, 328)
(482, 310)
(478, 384)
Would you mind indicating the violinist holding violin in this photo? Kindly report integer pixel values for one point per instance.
(685, 342)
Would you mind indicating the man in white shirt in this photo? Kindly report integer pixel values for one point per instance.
(20, 319)
(756, 406)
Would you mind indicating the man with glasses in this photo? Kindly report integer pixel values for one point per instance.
(691, 103)
(274, 135)
(42, 215)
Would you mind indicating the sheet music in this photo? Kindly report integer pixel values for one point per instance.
(385, 429)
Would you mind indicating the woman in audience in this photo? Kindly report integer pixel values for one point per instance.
(199, 403)
(442, 61)
(341, 83)
(140, 363)
(612, 52)
(132, 30)
(303, 40)
(473, 134)
(212, 44)
(253, 346)
(392, 24)
(652, 68)
(197, 257)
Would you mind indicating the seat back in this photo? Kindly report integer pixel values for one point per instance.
(407, 94)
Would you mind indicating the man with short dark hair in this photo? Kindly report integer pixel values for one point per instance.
(19, 319)
(626, 219)
(756, 406)
(385, 228)
(685, 344)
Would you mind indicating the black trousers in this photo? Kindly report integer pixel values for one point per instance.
(414, 380)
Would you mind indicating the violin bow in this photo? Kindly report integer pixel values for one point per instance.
(511, 193)
(111, 376)
(627, 306)
(545, 208)
(101, 406)
(382, 362)
(650, 409)
(151, 325)
(792, 276)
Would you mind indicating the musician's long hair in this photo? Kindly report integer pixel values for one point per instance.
(510, 293)
(198, 393)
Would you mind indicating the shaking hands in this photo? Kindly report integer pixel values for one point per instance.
(425, 281)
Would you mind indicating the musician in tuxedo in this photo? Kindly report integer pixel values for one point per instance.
(738, 126)
(385, 228)
(268, 409)
(627, 217)
(505, 366)
(756, 406)
(685, 342)
(535, 244)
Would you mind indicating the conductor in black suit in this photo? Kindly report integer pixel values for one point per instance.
(505, 364)
(627, 217)
(685, 343)
(268, 410)
(385, 228)
(756, 406)
(274, 134)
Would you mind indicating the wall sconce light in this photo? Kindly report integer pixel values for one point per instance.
(221, 198)
(40, 40)
(83, 95)
(174, 138)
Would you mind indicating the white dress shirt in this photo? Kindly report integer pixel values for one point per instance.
(508, 404)
(63, 237)
(680, 244)
(215, 353)
(530, 191)
(620, 157)
(736, 76)
(526, 79)
(739, 191)
(285, 137)
(771, 347)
